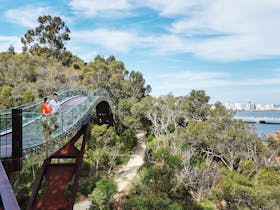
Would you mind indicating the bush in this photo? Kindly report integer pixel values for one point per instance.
(137, 203)
(85, 168)
(102, 196)
(128, 138)
(207, 205)
(87, 187)
(123, 159)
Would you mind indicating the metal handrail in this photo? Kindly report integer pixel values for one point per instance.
(38, 102)
(6, 191)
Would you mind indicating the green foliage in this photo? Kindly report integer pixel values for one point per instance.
(224, 138)
(248, 167)
(142, 203)
(103, 135)
(198, 160)
(113, 75)
(196, 105)
(47, 38)
(150, 202)
(128, 139)
(150, 138)
(85, 168)
(22, 184)
(206, 205)
(240, 192)
(235, 189)
(6, 99)
(102, 195)
(27, 97)
(268, 177)
(88, 186)
(33, 77)
(103, 149)
(122, 159)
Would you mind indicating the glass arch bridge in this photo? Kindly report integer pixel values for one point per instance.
(77, 105)
(21, 138)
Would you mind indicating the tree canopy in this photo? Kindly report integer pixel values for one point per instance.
(49, 37)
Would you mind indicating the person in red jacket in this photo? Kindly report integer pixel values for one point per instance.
(46, 122)
(46, 109)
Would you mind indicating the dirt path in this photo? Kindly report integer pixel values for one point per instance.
(125, 175)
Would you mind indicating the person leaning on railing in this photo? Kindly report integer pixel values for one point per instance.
(56, 109)
(46, 121)
(55, 104)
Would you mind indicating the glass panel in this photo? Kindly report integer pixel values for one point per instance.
(6, 135)
(32, 129)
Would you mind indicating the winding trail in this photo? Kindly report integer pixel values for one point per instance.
(125, 175)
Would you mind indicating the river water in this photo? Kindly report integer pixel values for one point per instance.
(263, 129)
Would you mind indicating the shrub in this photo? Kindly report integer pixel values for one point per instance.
(102, 196)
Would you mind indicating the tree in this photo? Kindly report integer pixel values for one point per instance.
(112, 74)
(137, 87)
(6, 99)
(196, 105)
(11, 49)
(48, 37)
(162, 112)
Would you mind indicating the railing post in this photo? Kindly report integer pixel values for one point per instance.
(14, 163)
(16, 133)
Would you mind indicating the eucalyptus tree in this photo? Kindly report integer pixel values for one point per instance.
(49, 37)
(196, 105)
(162, 112)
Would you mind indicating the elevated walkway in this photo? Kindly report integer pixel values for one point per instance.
(22, 142)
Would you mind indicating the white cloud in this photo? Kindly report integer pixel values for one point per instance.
(216, 30)
(89, 56)
(181, 82)
(174, 7)
(240, 29)
(114, 40)
(96, 7)
(6, 41)
(187, 80)
(27, 16)
(190, 75)
(165, 8)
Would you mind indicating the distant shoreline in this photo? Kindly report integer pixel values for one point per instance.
(256, 110)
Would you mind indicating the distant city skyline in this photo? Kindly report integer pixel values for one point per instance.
(251, 106)
(230, 49)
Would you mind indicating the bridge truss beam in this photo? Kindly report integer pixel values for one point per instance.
(61, 176)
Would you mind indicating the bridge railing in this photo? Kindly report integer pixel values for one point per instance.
(69, 122)
(36, 105)
(5, 115)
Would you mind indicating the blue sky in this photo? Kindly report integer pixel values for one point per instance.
(230, 48)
